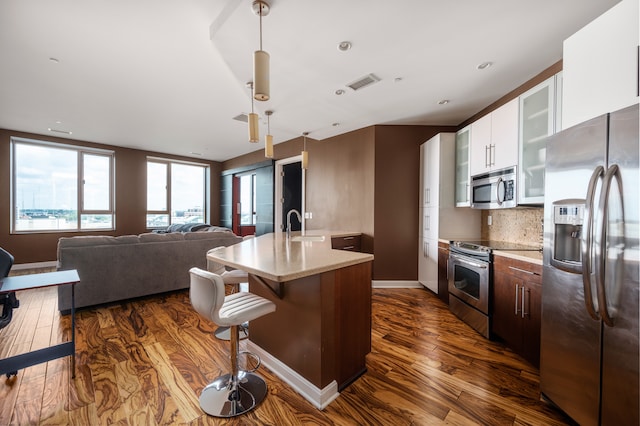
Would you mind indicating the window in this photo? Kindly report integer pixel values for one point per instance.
(248, 199)
(176, 193)
(57, 187)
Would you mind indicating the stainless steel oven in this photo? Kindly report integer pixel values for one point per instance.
(469, 282)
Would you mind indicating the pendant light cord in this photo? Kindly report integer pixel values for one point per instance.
(260, 27)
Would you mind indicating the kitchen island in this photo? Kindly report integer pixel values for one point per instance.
(318, 337)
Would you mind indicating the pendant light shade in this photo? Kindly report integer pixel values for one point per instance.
(268, 139)
(254, 135)
(305, 154)
(252, 118)
(261, 58)
(261, 75)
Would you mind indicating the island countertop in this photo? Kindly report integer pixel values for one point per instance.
(278, 258)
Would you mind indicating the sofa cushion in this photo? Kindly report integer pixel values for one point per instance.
(151, 237)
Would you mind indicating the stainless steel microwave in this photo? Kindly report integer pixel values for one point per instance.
(494, 190)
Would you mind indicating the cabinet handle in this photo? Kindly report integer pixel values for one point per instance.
(517, 311)
(428, 195)
(348, 248)
(486, 161)
(522, 270)
(427, 224)
(492, 155)
(524, 312)
(348, 238)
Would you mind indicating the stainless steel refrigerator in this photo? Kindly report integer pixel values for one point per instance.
(589, 358)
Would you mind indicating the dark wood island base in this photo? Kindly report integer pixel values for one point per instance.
(321, 328)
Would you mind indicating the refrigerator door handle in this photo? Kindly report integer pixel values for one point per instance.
(601, 249)
(587, 243)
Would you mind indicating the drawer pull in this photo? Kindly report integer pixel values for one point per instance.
(522, 270)
(348, 248)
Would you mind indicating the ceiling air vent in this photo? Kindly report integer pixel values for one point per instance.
(365, 81)
(242, 117)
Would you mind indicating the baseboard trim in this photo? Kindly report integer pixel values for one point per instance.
(395, 284)
(320, 398)
(35, 265)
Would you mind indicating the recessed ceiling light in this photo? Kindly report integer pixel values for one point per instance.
(335, 124)
(484, 65)
(54, 60)
(343, 46)
(195, 153)
(339, 92)
(397, 79)
(443, 102)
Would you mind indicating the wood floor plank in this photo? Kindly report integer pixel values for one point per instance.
(183, 395)
(145, 361)
(56, 393)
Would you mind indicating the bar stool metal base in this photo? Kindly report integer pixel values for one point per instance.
(222, 399)
(224, 333)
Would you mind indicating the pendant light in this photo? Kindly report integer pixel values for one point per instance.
(261, 58)
(268, 139)
(254, 134)
(305, 154)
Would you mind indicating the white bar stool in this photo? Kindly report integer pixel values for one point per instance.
(235, 393)
(234, 278)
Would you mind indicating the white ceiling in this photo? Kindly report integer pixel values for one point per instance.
(170, 75)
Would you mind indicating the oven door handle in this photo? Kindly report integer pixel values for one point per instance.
(464, 261)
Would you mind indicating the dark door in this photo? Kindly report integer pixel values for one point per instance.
(291, 194)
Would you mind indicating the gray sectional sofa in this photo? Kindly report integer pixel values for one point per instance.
(119, 268)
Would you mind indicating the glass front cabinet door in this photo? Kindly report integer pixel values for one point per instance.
(462, 167)
(537, 116)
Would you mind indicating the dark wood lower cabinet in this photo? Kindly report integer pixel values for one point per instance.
(443, 276)
(349, 243)
(517, 306)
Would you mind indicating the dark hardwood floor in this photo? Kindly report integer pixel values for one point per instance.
(145, 362)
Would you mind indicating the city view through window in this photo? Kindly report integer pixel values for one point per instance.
(57, 187)
(182, 201)
(45, 188)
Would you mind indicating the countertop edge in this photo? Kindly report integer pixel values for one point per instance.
(534, 257)
(341, 259)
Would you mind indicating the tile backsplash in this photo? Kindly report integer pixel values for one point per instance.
(520, 225)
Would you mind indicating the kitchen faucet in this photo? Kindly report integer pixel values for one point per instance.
(289, 220)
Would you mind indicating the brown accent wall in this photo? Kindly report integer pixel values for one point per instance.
(397, 172)
(340, 184)
(340, 180)
(130, 203)
(365, 181)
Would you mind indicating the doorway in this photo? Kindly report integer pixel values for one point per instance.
(290, 192)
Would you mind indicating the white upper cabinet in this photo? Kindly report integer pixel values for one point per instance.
(494, 139)
(436, 161)
(480, 145)
(537, 121)
(600, 65)
(463, 145)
